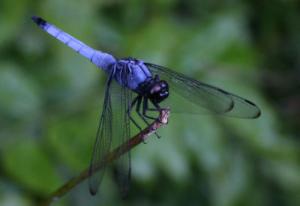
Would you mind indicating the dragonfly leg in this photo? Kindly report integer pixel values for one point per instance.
(138, 106)
(129, 114)
(156, 109)
(145, 109)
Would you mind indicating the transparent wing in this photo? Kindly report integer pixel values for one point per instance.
(121, 102)
(188, 95)
(102, 144)
(113, 131)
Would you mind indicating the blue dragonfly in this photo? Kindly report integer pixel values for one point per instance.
(146, 87)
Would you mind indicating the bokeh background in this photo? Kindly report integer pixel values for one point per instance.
(51, 99)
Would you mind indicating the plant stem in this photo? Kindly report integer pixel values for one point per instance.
(113, 155)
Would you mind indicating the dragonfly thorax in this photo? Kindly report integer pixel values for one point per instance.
(135, 75)
(131, 73)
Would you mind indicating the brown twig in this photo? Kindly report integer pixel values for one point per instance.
(113, 155)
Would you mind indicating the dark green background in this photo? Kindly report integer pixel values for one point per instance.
(50, 100)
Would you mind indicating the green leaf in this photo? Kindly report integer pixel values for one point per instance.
(26, 162)
(71, 139)
(18, 94)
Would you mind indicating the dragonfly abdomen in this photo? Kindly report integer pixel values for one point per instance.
(100, 59)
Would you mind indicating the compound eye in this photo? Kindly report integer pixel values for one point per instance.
(164, 93)
(155, 89)
(159, 91)
(163, 84)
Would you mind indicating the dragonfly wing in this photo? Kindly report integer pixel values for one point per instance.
(202, 98)
(102, 144)
(121, 103)
(243, 108)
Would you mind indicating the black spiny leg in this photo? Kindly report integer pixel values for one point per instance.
(129, 114)
(138, 106)
(145, 109)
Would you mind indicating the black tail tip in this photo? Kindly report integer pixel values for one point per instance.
(39, 21)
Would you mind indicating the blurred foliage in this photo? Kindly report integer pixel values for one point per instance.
(50, 100)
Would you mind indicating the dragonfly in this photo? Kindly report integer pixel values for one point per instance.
(133, 85)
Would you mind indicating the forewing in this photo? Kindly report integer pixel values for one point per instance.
(102, 144)
(202, 98)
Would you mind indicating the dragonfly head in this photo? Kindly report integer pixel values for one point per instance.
(158, 90)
